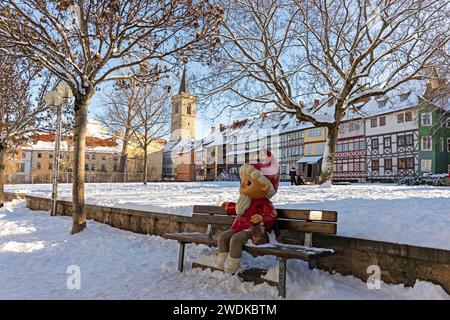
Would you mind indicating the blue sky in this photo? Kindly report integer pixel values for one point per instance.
(205, 117)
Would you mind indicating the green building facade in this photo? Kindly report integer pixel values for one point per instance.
(434, 142)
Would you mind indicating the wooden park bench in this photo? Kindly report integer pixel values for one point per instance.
(305, 221)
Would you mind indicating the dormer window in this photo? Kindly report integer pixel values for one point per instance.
(404, 96)
(381, 103)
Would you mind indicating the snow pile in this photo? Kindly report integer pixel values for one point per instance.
(416, 215)
(38, 253)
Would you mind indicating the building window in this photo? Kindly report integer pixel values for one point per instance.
(342, 128)
(382, 121)
(317, 132)
(400, 118)
(401, 164)
(441, 144)
(93, 157)
(353, 126)
(356, 166)
(426, 119)
(401, 141)
(388, 164)
(387, 142)
(38, 165)
(409, 140)
(425, 165)
(404, 96)
(382, 103)
(362, 145)
(93, 167)
(375, 143)
(426, 143)
(20, 167)
(189, 109)
(104, 158)
(39, 155)
(50, 166)
(86, 167)
(87, 156)
(373, 123)
(104, 167)
(309, 149)
(176, 109)
(50, 155)
(408, 116)
(409, 163)
(375, 165)
(320, 148)
(406, 163)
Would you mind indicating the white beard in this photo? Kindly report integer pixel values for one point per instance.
(242, 204)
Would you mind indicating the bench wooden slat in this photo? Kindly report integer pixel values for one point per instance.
(288, 251)
(319, 215)
(208, 209)
(213, 219)
(296, 225)
(304, 226)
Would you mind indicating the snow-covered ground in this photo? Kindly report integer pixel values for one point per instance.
(416, 215)
(36, 251)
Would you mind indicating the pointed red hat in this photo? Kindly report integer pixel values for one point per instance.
(269, 168)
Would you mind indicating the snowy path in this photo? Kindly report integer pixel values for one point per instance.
(417, 215)
(35, 251)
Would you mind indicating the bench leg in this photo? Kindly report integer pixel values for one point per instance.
(181, 256)
(312, 263)
(282, 277)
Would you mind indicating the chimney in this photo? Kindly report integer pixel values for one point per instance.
(222, 127)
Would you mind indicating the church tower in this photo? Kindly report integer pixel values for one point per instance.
(184, 110)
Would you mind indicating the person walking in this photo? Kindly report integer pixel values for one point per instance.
(293, 175)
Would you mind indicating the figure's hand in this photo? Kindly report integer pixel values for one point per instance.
(257, 218)
(224, 206)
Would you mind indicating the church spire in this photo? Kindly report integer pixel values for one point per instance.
(184, 86)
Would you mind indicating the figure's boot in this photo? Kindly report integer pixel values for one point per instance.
(221, 258)
(232, 265)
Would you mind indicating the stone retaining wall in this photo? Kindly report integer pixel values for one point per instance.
(399, 263)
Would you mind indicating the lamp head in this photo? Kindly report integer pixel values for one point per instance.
(53, 98)
(64, 90)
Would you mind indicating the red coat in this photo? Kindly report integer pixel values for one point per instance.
(262, 207)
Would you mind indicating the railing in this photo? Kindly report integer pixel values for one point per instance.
(91, 177)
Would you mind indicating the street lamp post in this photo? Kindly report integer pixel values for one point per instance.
(57, 98)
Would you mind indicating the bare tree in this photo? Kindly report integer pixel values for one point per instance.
(121, 109)
(152, 122)
(87, 42)
(19, 113)
(286, 54)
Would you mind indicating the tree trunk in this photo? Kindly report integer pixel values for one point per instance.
(124, 157)
(81, 113)
(2, 172)
(329, 154)
(145, 165)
